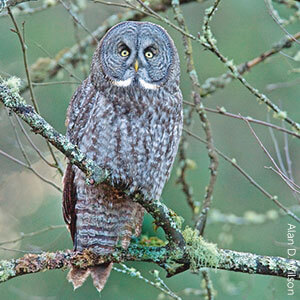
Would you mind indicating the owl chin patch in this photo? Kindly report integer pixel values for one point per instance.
(129, 81)
(147, 85)
(122, 83)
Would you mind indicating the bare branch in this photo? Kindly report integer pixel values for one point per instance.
(29, 82)
(77, 21)
(29, 167)
(251, 180)
(37, 150)
(275, 16)
(208, 285)
(24, 51)
(201, 221)
(158, 284)
(277, 168)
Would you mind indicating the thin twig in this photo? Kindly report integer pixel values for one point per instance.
(210, 44)
(123, 5)
(222, 111)
(208, 286)
(54, 83)
(31, 234)
(159, 284)
(203, 118)
(24, 51)
(77, 21)
(272, 160)
(272, 13)
(251, 180)
(37, 150)
(29, 82)
(286, 180)
(287, 155)
(277, 150)
(279, 171)
(31, 169)
(21, 148)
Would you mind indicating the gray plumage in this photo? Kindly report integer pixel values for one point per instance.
(127, 117)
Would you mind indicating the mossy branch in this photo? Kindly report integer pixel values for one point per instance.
(162, 256)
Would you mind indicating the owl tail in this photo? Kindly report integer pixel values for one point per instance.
(99, 275)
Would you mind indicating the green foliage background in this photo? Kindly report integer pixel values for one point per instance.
(243, 29)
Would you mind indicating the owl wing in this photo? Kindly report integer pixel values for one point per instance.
(69, 200)
(77, 116)
(79, 110)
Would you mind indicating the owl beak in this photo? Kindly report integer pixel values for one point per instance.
(136, 65)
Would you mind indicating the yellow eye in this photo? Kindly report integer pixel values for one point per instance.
(124, 53)
(149, 54)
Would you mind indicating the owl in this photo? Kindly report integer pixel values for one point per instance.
(127, 117)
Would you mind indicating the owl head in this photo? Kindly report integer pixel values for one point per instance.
(135, 54)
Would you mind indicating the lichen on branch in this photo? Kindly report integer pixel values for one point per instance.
(199, 254)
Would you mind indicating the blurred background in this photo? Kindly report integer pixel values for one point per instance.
(244, 29)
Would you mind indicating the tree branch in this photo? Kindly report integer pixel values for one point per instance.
(199, 107)
(227, 260)
(211, 85)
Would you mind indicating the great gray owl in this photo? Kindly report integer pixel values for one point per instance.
(126, 117)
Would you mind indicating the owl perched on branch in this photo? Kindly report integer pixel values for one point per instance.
(126, 117)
